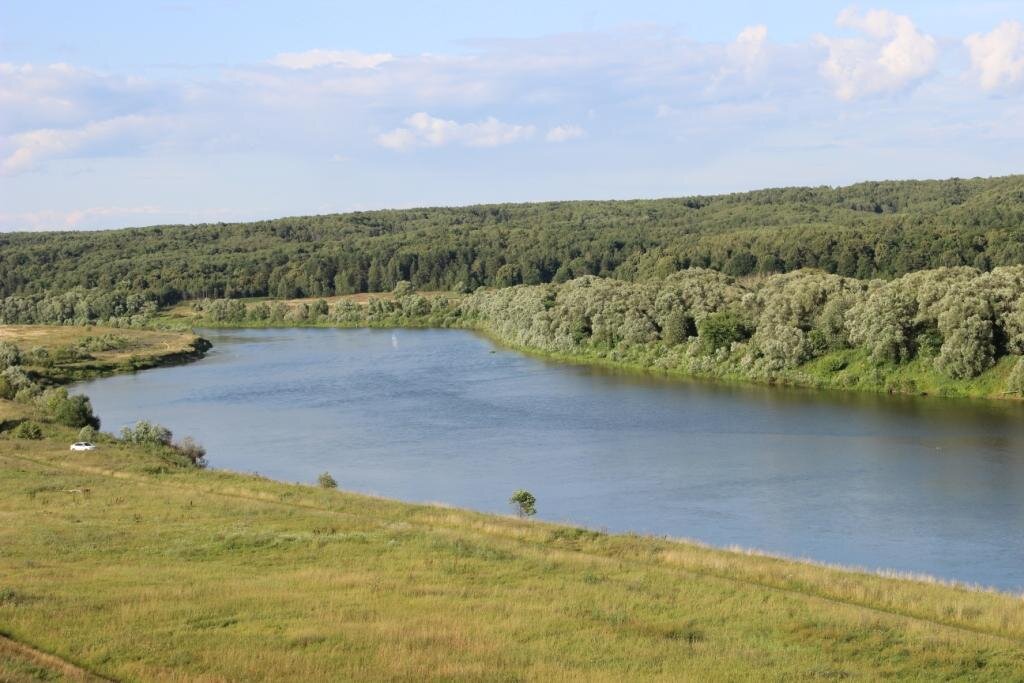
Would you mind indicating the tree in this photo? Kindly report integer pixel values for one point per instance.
(70, 411)
(326, 481)
(147, 433)
(721, 329)
(524, 503)
(677, 328)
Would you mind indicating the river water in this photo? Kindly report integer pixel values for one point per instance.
(922, 485)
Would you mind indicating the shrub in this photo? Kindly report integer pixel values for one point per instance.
(38, 355)
(106, 342)
(403, 288)
(326, 481)
(147, 433)
(524, 502)
(7, 390)
(28, 430)
(720, 330)
(192, 450)
(260, 311)
(27, 394)
(70, 411)
(10, 355)
(87, 433)
(320, 308)
(17, 377)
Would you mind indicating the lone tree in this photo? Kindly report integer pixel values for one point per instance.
(326, 481)
(524, 502)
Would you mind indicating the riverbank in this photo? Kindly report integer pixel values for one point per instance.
(60, 354)
(167, 572)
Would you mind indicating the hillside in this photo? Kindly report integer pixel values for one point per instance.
(878, 229)
(131, 567)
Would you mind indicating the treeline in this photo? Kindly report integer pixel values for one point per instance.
(806, 327)
(954, 322)
(868, 230)
(406, 309)
(78, 306)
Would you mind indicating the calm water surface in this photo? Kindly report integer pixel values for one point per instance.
(920, 485)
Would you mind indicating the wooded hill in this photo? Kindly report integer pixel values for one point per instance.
(876, 229)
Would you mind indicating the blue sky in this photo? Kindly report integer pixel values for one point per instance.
(138, 113)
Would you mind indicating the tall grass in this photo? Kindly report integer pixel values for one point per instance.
(137, 572)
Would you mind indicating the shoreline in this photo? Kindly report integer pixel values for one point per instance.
(796, 379)
(641, 372)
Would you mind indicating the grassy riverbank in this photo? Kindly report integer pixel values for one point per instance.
(125, 563)
(65, 353)
(129, 567)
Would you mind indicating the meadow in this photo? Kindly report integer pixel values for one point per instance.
(132, 568)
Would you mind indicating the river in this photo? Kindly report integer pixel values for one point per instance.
(921, 485)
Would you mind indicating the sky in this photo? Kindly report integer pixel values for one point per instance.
(140, 113)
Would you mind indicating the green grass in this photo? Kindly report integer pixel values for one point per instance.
(136, 570)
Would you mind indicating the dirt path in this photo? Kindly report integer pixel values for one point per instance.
(21, 662)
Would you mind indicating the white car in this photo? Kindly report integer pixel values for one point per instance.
(83, 446)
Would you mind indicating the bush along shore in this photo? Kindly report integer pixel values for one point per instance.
(946, 331)
(35, 361)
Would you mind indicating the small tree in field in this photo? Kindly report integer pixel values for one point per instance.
(524, 503)
(326, 481)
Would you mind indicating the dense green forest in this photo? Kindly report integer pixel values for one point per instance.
(868, 230)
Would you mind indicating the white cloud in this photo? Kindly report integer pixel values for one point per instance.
(49, 219)
(423, 130)
(998, 56)
(749, 50)
(26, 150)
(348, 59)
(61, 95)
(564, 133)
(892, 55)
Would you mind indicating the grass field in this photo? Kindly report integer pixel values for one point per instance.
(133, 570)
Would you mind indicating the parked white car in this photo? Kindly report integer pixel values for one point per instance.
(83, 446)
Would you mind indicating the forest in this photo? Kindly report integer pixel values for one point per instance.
(869, 230)
(911, 286)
